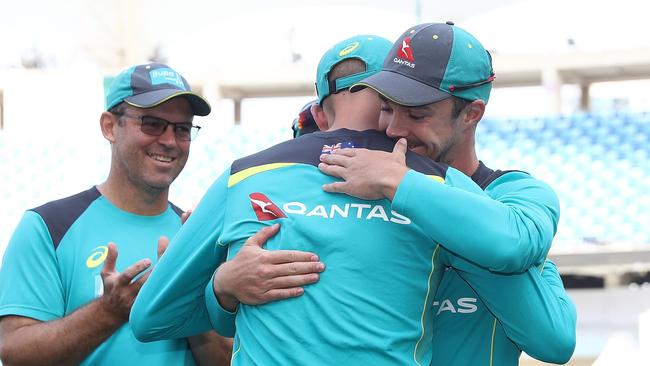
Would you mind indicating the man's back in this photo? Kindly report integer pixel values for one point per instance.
(371, 305)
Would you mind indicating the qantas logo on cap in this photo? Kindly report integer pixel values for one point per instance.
(405, 54)
(264, 208)
(405, 51)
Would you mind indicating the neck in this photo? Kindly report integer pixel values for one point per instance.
(355, 111)
(467, 165)
(352, 124)
(464, 159)
(133, 199)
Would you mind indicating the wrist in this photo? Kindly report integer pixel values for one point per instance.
(226, 299)
(391, 181)
(109, 314)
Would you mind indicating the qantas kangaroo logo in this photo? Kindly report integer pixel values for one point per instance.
(405, 52)
(264, 208)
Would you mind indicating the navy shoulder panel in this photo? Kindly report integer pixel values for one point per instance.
(484, 176)
(176, 209)
(59, 215)
(307, 149)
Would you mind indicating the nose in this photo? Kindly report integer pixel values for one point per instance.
(396, 128)
(168, 137)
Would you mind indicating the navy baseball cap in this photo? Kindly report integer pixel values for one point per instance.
(368, 48)
(431, 62)
(149, 85)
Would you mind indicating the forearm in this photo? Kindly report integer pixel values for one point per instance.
(535, 310)
(211, 349)
(171, 304)
(506, 237)
(65, 341)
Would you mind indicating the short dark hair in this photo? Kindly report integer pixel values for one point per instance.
(345, 68)
(459, 106)
(118, 110)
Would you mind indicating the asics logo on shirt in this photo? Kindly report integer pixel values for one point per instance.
(464, 305)
(97, 257)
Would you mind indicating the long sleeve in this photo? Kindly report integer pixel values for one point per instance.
(506, 235)
(171, 304)
(533, 307)
(223, 321)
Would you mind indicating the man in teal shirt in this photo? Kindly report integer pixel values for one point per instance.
(434, 85)
(155, 327)
(65, 297)
(368, 306)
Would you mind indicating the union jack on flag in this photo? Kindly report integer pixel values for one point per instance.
(329, 149)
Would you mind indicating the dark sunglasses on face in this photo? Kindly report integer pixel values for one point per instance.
(154, 126)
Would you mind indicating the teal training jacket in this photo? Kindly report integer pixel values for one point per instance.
(372, 305)
(493, 328)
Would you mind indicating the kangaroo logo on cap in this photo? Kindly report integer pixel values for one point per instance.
(405, 51)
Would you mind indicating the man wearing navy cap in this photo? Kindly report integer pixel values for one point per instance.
(434, 86)
(64, 296)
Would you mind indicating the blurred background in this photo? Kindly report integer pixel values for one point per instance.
(571, 106)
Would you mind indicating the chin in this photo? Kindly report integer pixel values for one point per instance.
(160, 184)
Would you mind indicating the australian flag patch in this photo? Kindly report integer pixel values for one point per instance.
(330, 149)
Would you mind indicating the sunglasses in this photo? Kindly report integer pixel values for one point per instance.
(154, 126)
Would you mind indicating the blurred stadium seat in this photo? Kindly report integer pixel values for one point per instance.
(597, 164)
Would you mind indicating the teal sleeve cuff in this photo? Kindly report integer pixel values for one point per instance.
(29, 312)
(223, 321)
(405, 188)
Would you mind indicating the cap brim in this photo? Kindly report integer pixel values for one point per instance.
(401, 89)
(151, 99)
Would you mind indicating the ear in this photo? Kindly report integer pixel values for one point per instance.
(474, 112)
(319, 116)
(108, 123)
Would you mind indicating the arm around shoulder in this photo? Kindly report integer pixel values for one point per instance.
(171, 304)
(536, 312)
(556, 342)
(506, 229)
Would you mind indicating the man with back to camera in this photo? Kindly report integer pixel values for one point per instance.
(329, 323)
(434, 86)
(339, 102)
(64, 298)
